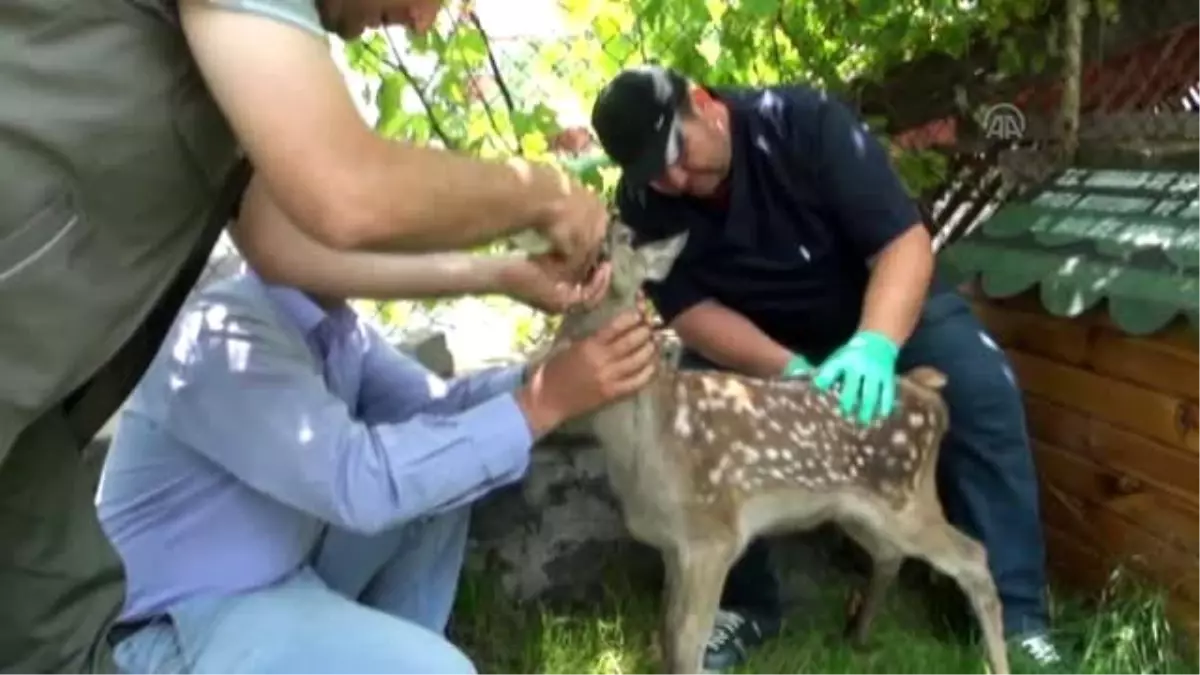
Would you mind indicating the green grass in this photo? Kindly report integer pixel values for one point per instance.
(1126, 632)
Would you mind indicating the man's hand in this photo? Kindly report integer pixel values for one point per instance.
(546, 283)
(866, 366)
(575, 222)
(616, 361)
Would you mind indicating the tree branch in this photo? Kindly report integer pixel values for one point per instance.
(398, 64)
(1072, 36)
(775, 30)
(495, 69)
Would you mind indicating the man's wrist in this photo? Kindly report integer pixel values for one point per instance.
(796, 365)
(541, 418)
(877, 342)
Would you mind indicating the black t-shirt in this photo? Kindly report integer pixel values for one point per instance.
(811, 196)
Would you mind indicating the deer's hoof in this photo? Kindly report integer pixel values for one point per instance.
(853, 631)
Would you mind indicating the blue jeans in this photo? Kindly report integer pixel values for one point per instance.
(986, 474)
(365, 605)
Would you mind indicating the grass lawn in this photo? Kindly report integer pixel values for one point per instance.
(615, 633)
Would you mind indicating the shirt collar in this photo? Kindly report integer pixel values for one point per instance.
(304, 311)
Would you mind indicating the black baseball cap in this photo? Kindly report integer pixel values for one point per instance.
(635, 117)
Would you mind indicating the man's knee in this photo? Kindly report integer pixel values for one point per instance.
(981, 391)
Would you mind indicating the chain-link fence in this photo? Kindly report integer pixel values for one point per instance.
(497, 78)
(494, 79)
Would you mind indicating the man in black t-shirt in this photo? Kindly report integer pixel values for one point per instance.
(806, 256)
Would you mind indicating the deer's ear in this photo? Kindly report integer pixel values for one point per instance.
(659, 256)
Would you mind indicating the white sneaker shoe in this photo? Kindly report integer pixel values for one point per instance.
(1041, 650)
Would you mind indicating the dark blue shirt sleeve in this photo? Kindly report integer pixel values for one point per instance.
(861, 189)
(647, 217)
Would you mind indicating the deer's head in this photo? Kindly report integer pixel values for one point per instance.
(631, 267)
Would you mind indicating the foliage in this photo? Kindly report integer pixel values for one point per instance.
(1126, 631)
(490, 101)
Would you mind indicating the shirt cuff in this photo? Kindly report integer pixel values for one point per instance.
(302, 14)
(506, 441)
(512, 378)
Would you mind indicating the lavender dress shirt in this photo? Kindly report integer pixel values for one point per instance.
(264, 419)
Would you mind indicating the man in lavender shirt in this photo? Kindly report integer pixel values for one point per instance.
(290, 494)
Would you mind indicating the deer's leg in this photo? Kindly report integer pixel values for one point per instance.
(886, 559)
(965, 560)
(695, 576)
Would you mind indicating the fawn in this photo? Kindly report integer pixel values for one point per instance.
(702, 462)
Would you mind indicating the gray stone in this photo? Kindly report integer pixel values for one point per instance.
(552, 534)
(429, 348)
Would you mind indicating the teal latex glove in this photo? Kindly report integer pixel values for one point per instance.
(866, 366)
(797, 366)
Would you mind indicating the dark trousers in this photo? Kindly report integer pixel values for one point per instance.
(61, 581)
(986, 474)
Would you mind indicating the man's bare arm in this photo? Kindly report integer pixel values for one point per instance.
(281, 253)
(729, 339)
(328, 171)
(900, 276)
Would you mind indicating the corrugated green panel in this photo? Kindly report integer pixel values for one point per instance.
(1131, 238)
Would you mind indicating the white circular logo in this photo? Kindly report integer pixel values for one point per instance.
(1004, 121)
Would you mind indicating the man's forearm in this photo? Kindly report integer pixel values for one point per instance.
(899, 282)
(448, 200)
(730, 340)
(282, 254)
(331, 173)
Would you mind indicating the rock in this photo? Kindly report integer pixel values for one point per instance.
(552, 534)
(429, 348)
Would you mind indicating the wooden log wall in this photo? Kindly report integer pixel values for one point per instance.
(1114, 421)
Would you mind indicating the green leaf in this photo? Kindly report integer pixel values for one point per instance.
(760, 9)
(534, 145)
(388, 101)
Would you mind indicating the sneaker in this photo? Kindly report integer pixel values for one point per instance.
(734, 635)
(1039, 648)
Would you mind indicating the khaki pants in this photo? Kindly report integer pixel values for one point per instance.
(61, 580)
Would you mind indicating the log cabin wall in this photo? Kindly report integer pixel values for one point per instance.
(1113, 419)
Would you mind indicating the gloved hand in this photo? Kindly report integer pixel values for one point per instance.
(866, 365)
(797, 366)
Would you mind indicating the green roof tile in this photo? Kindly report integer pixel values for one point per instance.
(1131, 238)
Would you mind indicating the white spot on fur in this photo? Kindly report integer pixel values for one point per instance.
(899, 437)
(683, 425)
(916, 420)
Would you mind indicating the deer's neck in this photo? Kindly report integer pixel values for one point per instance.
(580, 324)
(638, 456)
(631, 430)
